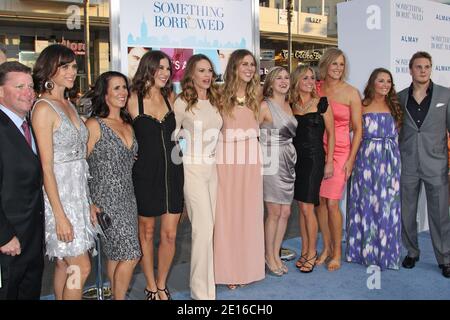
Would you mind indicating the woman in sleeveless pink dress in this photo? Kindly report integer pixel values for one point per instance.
(239, 228)
(345, 102)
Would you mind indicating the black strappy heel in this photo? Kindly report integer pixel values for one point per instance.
(309, 265)
(166, 291)
(150, 295)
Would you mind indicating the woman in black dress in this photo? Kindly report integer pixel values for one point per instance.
(313, 117)
(158, 171)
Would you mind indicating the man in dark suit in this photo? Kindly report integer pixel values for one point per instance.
(21, 199)
(423, 148)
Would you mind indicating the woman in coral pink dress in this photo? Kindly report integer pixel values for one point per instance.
(345, 102)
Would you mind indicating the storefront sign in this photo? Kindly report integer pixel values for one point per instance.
(312, 24)
(78, 47)
(306, 55)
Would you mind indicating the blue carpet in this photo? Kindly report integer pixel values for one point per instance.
(425, 281)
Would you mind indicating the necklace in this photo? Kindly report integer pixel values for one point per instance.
(303, 109)
(240, 101)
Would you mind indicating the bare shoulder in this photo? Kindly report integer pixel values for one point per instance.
(349, 89)
(264, 106)
(42, 109)
(132, 104)
(92, 124)
(352, 94)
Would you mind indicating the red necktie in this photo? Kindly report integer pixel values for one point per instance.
(27, 132)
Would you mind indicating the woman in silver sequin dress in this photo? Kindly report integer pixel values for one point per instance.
(62, 137)
(112, 148)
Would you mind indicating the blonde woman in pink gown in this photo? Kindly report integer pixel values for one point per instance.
(239, 228)
(345, 102)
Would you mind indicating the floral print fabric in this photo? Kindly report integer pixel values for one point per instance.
(374, 221)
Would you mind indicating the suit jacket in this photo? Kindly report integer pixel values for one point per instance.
(21, 198)
(424, 151)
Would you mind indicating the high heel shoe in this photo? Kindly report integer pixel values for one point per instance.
(273, 272)
(166, 291)
(309, 265)
(301, 260)
(150, 295)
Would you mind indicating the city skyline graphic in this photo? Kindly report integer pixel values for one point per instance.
(146, 39)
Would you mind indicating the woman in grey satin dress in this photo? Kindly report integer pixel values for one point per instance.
(278, 126)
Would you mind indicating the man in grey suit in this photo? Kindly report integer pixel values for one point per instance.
(423, 148)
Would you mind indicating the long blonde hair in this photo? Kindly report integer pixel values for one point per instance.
(231, 85)
(296, 76)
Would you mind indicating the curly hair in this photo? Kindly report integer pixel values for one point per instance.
(270, 79)
(296, 76)
(189, 93)
(231, 85)
(144, 79)
(99, 106)
(47, 64)
(391, 98)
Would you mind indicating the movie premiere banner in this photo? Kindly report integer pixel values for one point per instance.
(182, 28)
(386, 33)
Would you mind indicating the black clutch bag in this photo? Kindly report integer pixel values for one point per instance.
(104, 220)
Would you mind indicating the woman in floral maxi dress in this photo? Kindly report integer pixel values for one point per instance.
(374, 221)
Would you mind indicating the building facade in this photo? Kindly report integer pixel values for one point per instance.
(313, 29)
(28, 26)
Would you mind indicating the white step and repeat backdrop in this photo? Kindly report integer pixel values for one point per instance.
(386, 33)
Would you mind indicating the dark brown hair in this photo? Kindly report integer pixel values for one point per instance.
(144, 78)
(47, 64)
(99, 106)
(391, 97)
